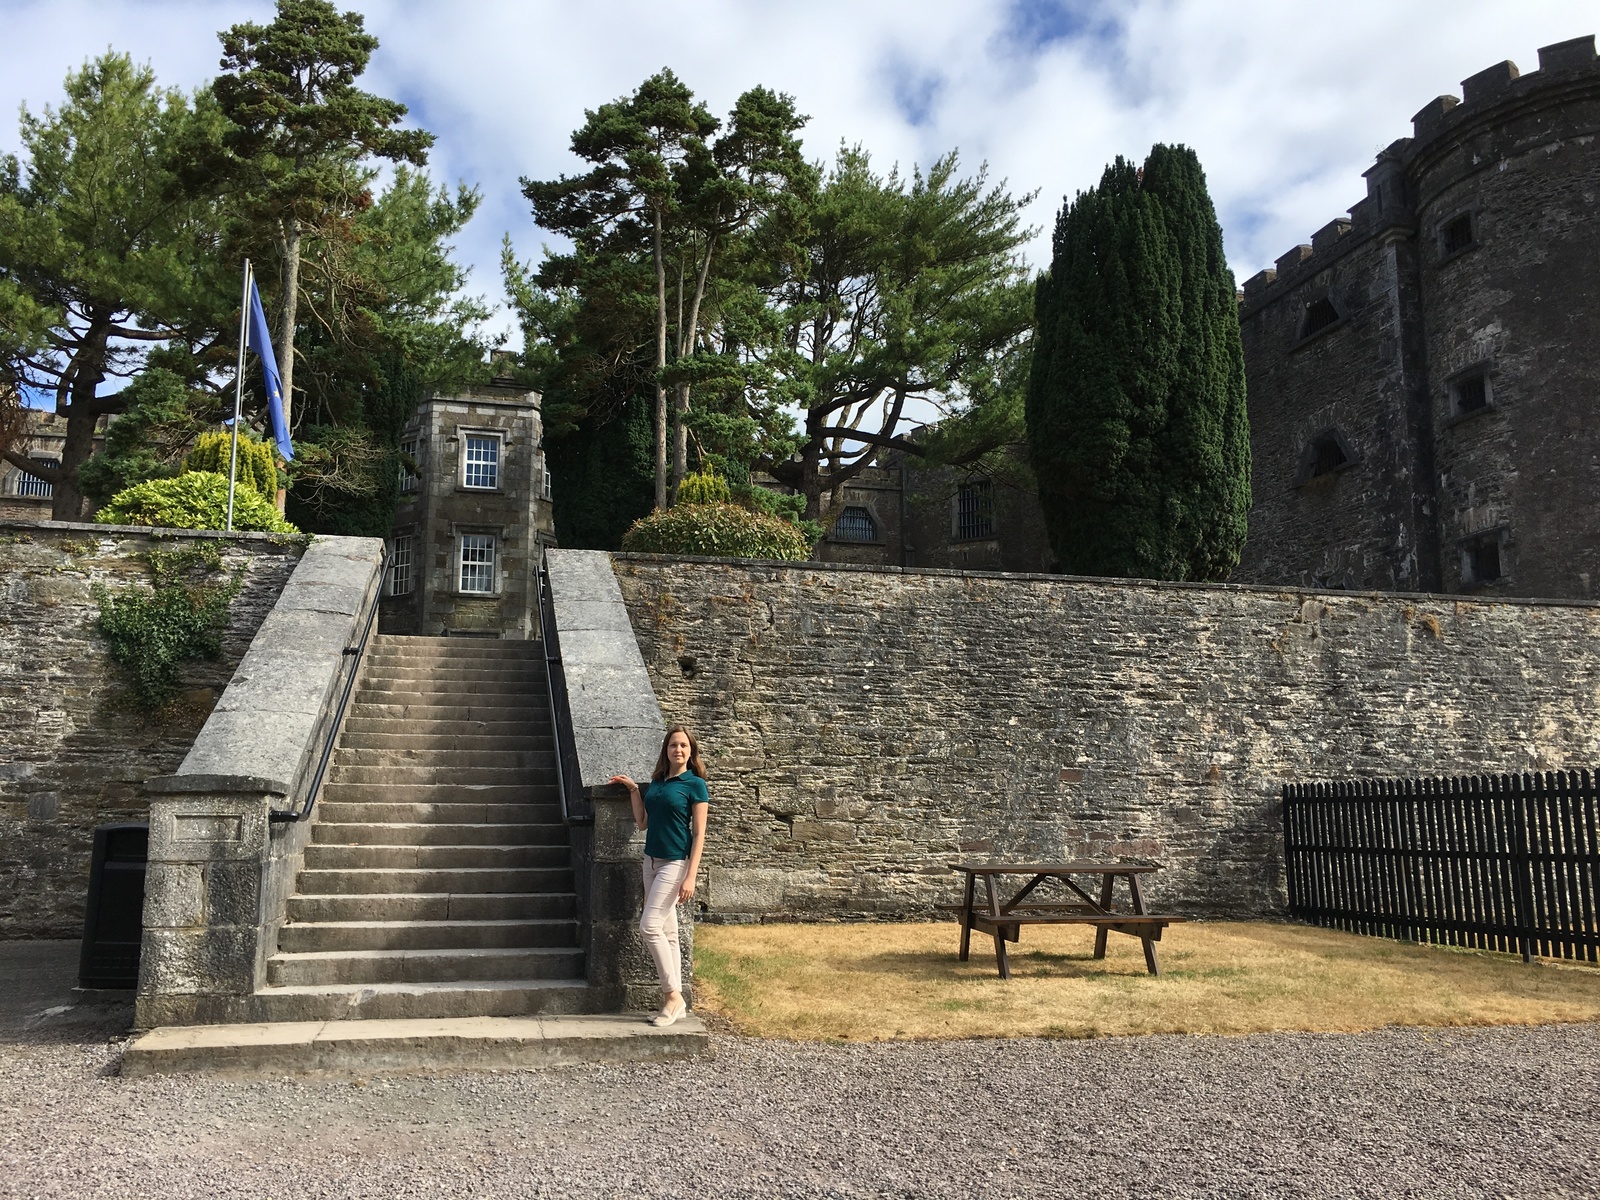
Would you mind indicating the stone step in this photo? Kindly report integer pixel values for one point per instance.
(330, 936)
(437, 833)
(409, 644)
(418, 1041)
(452, 691)
(442, 775)
(434, 906)
(499, 760)
(424, 812)
(423, 966)
(475, 743)
(444, 726)
(475, 708)
(323, 856)
(514, 675)
(349, 880)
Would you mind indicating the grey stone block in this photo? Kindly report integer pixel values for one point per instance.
(208, 828)
(607, 751)
(602, 694)
(610, 616)
(233, 892)
(205, 960)
(581, 575)
(593, 648)
(174, 895)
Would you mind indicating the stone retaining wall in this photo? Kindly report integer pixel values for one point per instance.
(74, 751)
(865, 726)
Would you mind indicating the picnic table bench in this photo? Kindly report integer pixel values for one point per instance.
(1004, 919)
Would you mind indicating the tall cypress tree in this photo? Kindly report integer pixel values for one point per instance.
(1135, 411)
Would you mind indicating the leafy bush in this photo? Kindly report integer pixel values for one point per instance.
(148, 440)
(786, 507)
(258, 469)
(705, 487)
(193, 500)
(152, 632)
(718, 530)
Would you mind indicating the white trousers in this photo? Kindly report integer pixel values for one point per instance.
(659, 924)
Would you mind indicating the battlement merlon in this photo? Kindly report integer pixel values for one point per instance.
(1388, 200)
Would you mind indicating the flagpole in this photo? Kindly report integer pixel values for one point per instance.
(238, 392)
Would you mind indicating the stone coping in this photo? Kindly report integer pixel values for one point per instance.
(617, 724)
(1254, 589)
(159, 532)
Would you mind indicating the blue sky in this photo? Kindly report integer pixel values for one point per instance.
(1285, 102)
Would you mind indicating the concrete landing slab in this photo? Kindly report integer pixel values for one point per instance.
(343, 1048)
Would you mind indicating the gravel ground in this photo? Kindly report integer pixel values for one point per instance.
(1492, 1112)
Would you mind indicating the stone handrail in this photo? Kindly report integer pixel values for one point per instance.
(617, 729)
(220, 869)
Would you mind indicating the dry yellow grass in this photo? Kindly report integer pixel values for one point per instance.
(875, 982)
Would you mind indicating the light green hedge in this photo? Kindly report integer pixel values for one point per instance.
(717, 531)
(193, 500)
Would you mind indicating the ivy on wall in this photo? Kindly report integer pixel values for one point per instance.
(153, 631)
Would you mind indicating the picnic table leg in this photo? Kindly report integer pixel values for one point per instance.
(966, 917)
(1000, 957)
(1151, 962)
(1105, 905)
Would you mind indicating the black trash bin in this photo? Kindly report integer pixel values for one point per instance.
(113, 926)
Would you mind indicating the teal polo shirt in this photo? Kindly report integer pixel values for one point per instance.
(668, 833)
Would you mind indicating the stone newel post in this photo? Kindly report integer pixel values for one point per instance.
(618, 961)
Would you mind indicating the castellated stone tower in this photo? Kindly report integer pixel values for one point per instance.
(1425, 376)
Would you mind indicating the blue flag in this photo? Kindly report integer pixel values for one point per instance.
(259, 340)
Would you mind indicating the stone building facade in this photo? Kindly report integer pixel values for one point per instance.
(1424, 376)
(474, 516)
(905, 515)
(25, 497)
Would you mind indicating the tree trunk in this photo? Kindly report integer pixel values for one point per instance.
(661, 365)
(686, 346)
(82, 412)
(284, 350)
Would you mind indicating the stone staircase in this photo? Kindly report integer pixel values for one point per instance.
(439, 879)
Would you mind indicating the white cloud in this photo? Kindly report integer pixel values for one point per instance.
(1286, 103)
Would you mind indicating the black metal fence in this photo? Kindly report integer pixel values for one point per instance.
(1495, 862)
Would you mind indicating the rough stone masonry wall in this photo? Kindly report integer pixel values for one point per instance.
(864, 727)
(74, 752)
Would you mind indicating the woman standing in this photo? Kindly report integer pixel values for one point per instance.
(672, 812)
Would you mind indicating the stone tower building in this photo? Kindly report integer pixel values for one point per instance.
(474, 516)
(1425, 376)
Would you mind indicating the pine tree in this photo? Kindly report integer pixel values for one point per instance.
(1135, 411)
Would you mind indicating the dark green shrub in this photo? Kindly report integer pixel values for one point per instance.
(719, 531)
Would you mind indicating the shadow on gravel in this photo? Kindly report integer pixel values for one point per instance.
(40, 1003)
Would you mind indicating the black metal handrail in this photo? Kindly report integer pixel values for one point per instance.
(332, 737)
(555, 679)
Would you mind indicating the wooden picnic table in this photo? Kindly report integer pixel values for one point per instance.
(1004, 919)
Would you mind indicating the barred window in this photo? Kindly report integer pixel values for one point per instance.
(1318, 316)
(975, 510)
(401, 578)
(855, 524)
(1470, 393)
(410, 476)
(482, 461)
(34, 487)
(477, 563)
(1455, 234)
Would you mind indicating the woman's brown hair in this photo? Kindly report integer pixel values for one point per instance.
(696, 764)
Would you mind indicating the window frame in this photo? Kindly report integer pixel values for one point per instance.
(1470, 215)
(402, 551)
(493, 564)
(27, 486)
(1467, 549)
(1478, 370)
(467, 437)
(985, 512)
(872, 520)
(1308, 473)
(411, 480)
